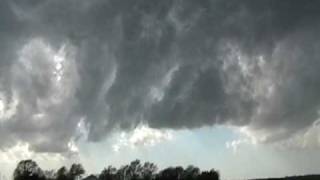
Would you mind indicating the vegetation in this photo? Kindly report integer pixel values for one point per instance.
(29, 170)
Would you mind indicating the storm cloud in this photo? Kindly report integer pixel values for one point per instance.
(114, 65)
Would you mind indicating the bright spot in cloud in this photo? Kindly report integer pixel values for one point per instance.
(142, 136)
(73, 147)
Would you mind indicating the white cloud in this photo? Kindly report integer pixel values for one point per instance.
(245, 136)
(142, 136)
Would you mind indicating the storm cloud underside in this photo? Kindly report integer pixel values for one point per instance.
(114, 65)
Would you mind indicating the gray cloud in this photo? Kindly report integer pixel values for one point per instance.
(169, 64)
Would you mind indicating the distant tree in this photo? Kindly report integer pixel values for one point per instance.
(76, 171)
(209, 175)
(108, 173)
(28, 170)
(49, 174)
(191, 173)
(122, 173)
(133, 171)
(62, 174)
(148, 171)
(171, 173)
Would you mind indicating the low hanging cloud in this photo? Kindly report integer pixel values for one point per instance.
(113, 65)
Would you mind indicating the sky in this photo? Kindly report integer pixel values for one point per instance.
(231, 85)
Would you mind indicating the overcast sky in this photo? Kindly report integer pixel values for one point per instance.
(232, 85)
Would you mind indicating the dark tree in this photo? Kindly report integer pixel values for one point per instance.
(108, 173)
(133, 171)
(62, 174)
(209, 175)
(28, 170)
(76, 171)
(190, 173)
(148, 171)
(171, 173)
(50, 175)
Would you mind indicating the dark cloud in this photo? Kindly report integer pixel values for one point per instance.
(169, 64)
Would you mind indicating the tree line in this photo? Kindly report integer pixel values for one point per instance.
(29, 170)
